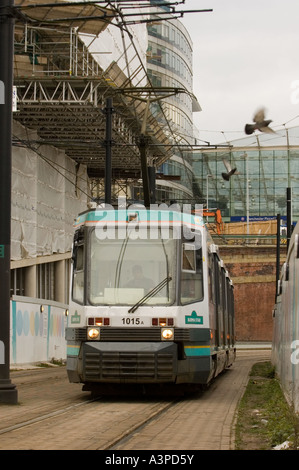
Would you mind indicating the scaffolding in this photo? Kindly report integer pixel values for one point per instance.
(62, 90)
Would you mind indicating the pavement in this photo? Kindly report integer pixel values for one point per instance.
(206, 422)
(203, 422)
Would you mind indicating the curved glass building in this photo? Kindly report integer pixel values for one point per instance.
(267, 164)
(169, 64)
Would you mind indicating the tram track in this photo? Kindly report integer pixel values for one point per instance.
(117, 440)
(53, 414)
(121, 440)
(42, 418)
(39, 423)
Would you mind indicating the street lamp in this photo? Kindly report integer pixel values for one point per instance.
(8, 391)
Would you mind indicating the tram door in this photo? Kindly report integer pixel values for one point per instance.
(219, 287)
(213, 301)
(231, 314)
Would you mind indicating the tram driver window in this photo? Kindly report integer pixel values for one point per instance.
(191, 274)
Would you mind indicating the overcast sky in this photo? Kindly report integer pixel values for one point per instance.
(246, 56)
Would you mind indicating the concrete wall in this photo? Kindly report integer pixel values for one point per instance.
(37, 331)
(253, 270)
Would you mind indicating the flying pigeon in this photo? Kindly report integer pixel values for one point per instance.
(230, 171)
(261, 124)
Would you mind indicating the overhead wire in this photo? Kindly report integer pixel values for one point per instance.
(234, 131)
(127, 4)
(125, 24)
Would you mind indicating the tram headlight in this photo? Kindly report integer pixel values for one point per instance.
(167, 334)
(93, 333)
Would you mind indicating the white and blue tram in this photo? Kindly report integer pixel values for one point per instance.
(151, 301)
(285, 343)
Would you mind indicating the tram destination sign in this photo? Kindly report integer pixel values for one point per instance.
(193, 319)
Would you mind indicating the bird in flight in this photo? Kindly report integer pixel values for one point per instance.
(230, 171)
(261, 124)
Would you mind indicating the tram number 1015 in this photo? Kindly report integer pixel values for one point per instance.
(132, 321)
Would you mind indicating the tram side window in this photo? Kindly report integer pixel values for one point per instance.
(220, 308)
(191, 275)
(78, 276)
(226, 308)
(230, 314)
(211, 280)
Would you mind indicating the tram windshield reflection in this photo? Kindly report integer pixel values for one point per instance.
(123, 269)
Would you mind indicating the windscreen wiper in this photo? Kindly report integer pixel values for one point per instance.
(150, 294)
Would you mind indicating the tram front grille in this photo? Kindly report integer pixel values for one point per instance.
(113, 365)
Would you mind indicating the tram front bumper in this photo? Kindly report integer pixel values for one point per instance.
(139, 362)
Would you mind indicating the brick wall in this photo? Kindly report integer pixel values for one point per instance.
(253, 271)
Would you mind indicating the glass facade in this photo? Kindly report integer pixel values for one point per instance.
(170, 60)
(266, 167)
(169, 64)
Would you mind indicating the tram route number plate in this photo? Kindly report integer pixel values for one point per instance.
(132, 321)
(123, 321)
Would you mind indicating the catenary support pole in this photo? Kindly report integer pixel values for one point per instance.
(108, 143)
(143, 145)
(277, 253)
(8, 391)
(152, 183)
(289, 216)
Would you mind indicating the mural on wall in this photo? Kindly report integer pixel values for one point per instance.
(37, 332)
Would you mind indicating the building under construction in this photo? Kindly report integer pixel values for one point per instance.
(103, 108)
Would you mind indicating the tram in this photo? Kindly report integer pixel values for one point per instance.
(152, 303)
(285, 343)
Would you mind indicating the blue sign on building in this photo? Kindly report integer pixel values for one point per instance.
(256, 218)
